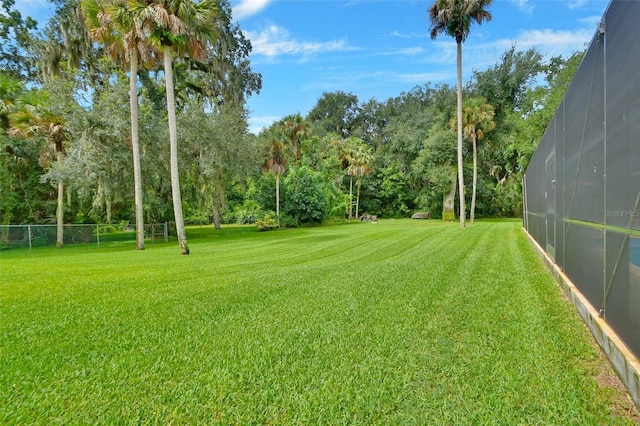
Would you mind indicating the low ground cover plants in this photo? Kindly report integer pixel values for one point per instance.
(399, 322)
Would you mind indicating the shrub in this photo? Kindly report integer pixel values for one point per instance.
(287, 221)
(305, 199)
(267, 223)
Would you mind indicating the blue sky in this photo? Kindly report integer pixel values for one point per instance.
(380, 48)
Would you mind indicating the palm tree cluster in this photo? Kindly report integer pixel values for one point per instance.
(284, 145)
(136, 33)
(358, 158)
(141, 36)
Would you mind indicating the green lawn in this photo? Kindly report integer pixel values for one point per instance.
(395, 323)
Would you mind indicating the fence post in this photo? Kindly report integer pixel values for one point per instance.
(166, 232)
(29, 232)
(98, 233)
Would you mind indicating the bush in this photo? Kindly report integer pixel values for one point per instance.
(246, 213)
(287, 221)
(305, 199)
(267, 223)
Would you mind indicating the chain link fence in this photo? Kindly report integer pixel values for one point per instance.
(30, 236)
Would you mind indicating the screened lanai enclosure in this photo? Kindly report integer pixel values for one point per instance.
(582, 188)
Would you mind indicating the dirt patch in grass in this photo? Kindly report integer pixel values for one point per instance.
(609, 383)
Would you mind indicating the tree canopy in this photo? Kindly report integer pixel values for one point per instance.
(345, 157)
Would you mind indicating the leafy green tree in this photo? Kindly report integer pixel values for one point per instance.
(519, 103)
(454, 18)
(306, 200)
(436, 162)
(393, 191)
(506, 85)
(325, 155)
(65, 44)
(180, 27)
(336, 112)
(100, 156)
(540, 103)
(220, 150)
(225, 76)
(10, 90)
(15, 39)
(399, 129)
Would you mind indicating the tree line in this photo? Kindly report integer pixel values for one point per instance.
(135, 111)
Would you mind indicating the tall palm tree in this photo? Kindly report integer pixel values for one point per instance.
(454, 18)
(178, 28)
(477, 119)
(33, 119)
(295, 127)
(276, 160)
(351, 172)
(361, 161)
(348, 153)
(114, 24)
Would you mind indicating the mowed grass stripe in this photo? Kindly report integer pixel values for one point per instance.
(504, 353)
(402, 322)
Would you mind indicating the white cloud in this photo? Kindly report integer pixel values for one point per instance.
(406, 51)
(577, 4)
(547, 42)
(30, 5)
(592, 20)
(339, 78)
(275, 41)
(421, 78)
(256, 124)
(398, 34)
(441, 56)
(524, 5)
(373, 80)
(550, 42)
(249, 7)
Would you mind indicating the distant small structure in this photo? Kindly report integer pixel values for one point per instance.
(366, 217)
(421, 215)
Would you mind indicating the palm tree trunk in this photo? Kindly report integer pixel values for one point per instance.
(475, 179)
(358, 196)
(278, 198)
(173, 142)
(350, 197)
(60, 213)
(448, 202)
(135, 147)
(460, 162)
